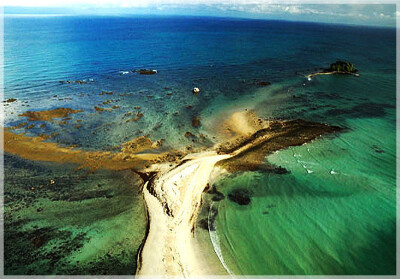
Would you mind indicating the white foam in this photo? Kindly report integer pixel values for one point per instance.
(216, 243)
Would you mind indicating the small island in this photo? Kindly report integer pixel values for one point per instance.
(339, 67)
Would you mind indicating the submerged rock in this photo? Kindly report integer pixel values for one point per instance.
(280, 170)
(46, 115)
(99, 109)
(263, 83)
(196, 122)
(203, 223)
(240, 196)
(158, 143)
(217, 195)
(378, 149)
(208, 223)
(146, 71)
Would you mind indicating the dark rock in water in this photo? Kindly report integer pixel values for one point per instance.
(208, 223)
(203, 223)
(109, 194)
(240, 196)
(280, 170)
(265, 212)
(218, 196)
(188, 134)
(377, 149)
(146, 71)
(213, 190)
(37, 241)
(263, 83)
(196, 122)
(11, 100)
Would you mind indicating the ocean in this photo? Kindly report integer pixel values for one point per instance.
(334, 212)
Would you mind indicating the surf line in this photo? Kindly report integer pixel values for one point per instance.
(212, 230)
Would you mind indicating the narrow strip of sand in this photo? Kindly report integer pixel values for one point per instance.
(173, 202)
(331, 73)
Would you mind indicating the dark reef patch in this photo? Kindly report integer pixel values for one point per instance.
(52, 213)
(279, 135)
(240, 196)
(25, 252)
(362, 110)
(208, 222)
(217, 195)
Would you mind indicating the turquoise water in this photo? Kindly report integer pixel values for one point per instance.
(333, 213)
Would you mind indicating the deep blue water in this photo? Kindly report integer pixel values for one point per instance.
(39, 51)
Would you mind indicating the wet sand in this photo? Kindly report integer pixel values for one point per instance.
(36, 148)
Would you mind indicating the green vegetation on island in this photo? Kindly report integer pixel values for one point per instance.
(339, 67)
(343, 67)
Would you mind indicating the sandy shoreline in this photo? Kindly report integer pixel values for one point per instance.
(173, 202)
(170, 248)
(330, 73)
